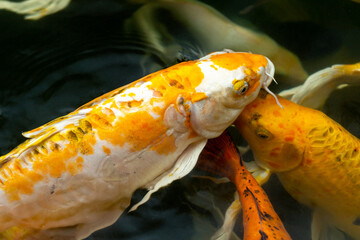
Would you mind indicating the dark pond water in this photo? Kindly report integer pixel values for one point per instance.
(51, 66)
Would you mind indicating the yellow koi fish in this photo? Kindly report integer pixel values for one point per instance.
(77, 173)
(316, 160)
(260, 220)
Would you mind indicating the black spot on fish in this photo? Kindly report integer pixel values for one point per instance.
(240, 157)
(256, 116)
(175, 83)
(357, 221)
(263, 235)
(56, 146)
(52, 190)
(266, 215)
(246, 192)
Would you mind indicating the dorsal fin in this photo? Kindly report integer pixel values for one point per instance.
(47, 130)
(16, 152)
(74, 116)
(56, 124)
(40, 134)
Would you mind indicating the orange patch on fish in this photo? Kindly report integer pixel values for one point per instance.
(289, 139)
(76, 165)
(214, 67)
(165, 145)
(138, 129)
(106, 150)
(234, 61)
(274, 165)
(274, 152)
(52, 165)
(277, 113)
(198, 97)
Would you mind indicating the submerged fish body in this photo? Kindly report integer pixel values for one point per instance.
(260, 220)
(316, 160)
(77, 173)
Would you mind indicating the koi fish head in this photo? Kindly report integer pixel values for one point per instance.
(275, 135)
(231, 80)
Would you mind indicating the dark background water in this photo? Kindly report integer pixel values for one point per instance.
(51, 66)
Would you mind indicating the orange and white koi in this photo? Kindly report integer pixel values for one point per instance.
(315, 158)
(260, 221)
(77, 173)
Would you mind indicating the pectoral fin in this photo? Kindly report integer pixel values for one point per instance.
(321, 230)
(184, 164)
(261, 175)
(231, 215)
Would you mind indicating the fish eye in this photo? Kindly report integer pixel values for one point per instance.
(240, 87)
(262, 133)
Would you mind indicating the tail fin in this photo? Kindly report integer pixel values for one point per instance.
(259, 218)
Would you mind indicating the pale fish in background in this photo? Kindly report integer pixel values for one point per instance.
(34, 9)
(318, 87)
(77, 173)
(210, 30)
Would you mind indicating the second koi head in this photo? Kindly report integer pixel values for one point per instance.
(276, 136)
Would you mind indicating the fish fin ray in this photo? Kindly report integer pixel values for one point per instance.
(74, 116)
(321, 230)
(40, 134)
(231, 215)
(260, 174)
(185, 163)
(55, 125)
(16, 152)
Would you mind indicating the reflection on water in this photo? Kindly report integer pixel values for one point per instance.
(51, 66)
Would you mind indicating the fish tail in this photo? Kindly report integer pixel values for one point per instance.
(259, 216)
(260, 220)
(220, 156)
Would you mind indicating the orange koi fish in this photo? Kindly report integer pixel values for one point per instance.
(260, 220)
(77, 173)
(316, 160)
